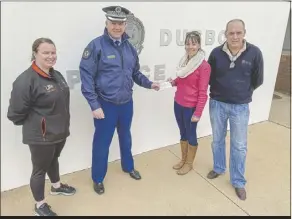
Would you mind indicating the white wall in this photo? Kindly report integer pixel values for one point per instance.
(72, 25)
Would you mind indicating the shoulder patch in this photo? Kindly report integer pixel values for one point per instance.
(87, 53)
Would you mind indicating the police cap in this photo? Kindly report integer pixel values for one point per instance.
(116, 13)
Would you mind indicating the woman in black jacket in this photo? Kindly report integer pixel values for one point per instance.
(39, 102)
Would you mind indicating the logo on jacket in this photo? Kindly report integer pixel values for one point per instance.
(244, 62)
(136, 32)
(86, 53)
(49, 88)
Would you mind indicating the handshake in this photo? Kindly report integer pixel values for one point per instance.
(99, 114)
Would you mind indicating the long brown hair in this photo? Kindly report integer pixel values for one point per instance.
(194, 36)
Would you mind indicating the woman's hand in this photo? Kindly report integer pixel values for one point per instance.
(195, 119)
(171, 81)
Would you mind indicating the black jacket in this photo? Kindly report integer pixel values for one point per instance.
(236, 85)
(40, 102)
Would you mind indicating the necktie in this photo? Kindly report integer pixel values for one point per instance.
(117, 43)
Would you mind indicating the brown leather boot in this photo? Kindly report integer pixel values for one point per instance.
(184, 152)
(187, 167)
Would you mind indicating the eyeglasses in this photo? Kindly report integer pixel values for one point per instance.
(193, 34)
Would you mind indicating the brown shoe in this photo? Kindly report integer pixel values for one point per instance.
(212, 175)
(188, 166)
(241, 193)
(184, 152)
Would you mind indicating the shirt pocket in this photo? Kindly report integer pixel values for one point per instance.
(53, 127)
(109, 61)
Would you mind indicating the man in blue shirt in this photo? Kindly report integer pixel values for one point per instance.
(237, 70)
(108, 69)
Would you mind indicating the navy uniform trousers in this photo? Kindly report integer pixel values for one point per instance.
(116, 116)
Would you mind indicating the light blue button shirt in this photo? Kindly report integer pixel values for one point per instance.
(119, 40)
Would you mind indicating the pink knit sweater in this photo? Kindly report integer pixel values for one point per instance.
(192, 90)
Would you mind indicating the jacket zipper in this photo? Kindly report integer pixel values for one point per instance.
(43, 128)
(121, 55)
(59, 81)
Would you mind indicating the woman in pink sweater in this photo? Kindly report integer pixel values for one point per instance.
(193, 74)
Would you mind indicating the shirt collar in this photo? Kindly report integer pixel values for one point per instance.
(232, 57)
(120, 40)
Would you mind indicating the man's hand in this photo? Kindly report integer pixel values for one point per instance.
(155, 86)
(195, 119)
(98, 114)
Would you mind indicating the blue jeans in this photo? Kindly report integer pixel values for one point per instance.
(187, 128)
(238, 115)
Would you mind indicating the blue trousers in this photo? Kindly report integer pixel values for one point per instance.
(238, 116)
(116, 116)
(187, 128)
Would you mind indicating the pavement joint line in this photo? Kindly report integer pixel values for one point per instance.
(280, 124)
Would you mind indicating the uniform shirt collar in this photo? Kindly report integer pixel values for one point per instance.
(120, 40)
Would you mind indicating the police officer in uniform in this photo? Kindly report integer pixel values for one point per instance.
(108, 69)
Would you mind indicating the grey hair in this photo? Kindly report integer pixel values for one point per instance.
(235, 20)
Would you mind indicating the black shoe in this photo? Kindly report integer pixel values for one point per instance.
(64, 189)
(44, 210)
(99, 188)
(212, 175)
(135, 175)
